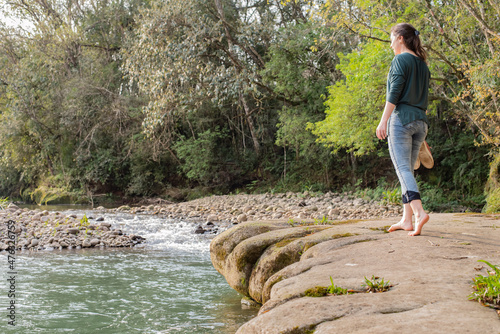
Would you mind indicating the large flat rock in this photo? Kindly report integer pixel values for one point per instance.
(431, 276)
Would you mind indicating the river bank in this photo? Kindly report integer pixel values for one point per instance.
(40, 229)
(220, 211)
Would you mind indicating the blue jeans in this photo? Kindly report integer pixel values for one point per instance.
(404, 145)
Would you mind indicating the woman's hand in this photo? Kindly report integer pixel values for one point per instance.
(382, 130)
(382, 126)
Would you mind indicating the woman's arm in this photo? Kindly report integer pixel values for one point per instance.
(382, 126)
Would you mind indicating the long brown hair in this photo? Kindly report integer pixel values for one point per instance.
(411, 38)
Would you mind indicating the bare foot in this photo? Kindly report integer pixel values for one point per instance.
(402, 225)
(419, 223)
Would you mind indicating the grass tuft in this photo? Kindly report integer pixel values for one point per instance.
(376, 284)
(487, 288)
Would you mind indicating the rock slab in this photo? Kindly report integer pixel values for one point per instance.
(431, 275)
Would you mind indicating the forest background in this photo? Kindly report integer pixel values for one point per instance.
(183, 98)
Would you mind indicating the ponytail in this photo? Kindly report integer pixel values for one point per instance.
(411, 38)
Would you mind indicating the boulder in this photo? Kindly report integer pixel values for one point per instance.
(222, 245)
(430, 275)
(255, 258)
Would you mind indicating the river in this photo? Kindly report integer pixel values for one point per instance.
(167, 285)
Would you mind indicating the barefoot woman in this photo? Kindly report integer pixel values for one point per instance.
(404, 120)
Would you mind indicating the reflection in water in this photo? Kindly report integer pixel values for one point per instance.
(167, 286)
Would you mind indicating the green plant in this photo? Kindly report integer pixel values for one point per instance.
(335, 290)
(493, 201)
(84, 221)
(252, 185)
(392, 196)
(376, 284)
(487, 288)
(323, 221)
(4, 202)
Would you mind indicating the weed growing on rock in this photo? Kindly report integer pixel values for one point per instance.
(84, 221)
(335, 290)
(322, 221)
(487, 288)
(373, 285)
(376, 284)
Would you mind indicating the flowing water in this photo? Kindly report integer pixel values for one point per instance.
(167, 285)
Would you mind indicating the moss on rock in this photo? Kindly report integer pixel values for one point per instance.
(317, 291)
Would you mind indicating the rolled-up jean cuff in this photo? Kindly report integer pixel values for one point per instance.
(410, 196)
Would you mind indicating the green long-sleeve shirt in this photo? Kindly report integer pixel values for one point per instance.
(408, 87)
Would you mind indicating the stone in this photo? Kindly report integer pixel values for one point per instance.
(12, 206)
(72, 230)
(212, 218)
(334, 212)
(242, 218)
(277, 215)
(302, 215)
(349, 252)
(34, 243)
(199, 230)
(86, 243)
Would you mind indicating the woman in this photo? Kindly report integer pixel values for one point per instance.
(404, 120)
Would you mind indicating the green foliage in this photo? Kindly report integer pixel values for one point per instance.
(351, 117)
(134, 98)
(4, 201)
(322, 221)
(376, 284)
(493, 186)
(392, 196)
(202, 157)
(84, 221)
(335, 290)
(493, 202)
(487, 288)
